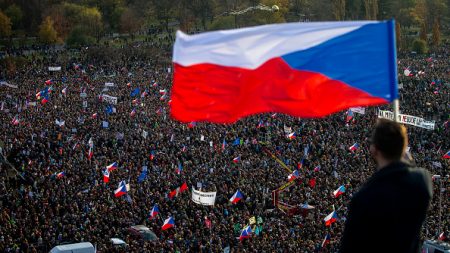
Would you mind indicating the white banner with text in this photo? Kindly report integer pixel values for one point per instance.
(407, 119)
(109, 99)
(203, 198)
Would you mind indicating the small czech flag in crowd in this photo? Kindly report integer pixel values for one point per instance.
(339, 191)
(291, 136)
(112, 166)
(447, 155)
(121, 190)
(154, 212)
(294, 175)
(60, 175)
(331, 218)
(236, 197)
(133, 112)
(105, 176)
(354, 147)
(168, 223)
(246, 233)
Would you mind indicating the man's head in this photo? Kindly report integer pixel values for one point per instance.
(389, 141)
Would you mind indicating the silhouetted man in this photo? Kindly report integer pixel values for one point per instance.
(387, 213)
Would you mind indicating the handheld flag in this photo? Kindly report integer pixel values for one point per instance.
(291, 136)
(306, 206)
(168, 223)
(349, 116)
(339, 191)
(183, 187)
(152, 155)
(260, 124)
(94, 116)
(326, 240)
(442, 236)
(294, 175)
(224, 144)
(105, 176)
(179, 168)
(331, 66)
(312, 182)
(447, 155)
(112, 166)
(178, 190)
(132, 113)
(300, 164)
(90, 153)
(121, 190)
(44, 101)
(15, 121)
(91, 142)
(173, 193)
(64, 91)
(143, 175)
(135, 92)
(109, 109)
(236, 197)
(246, 233)
(331, 218)
(237, 159)
(353, 147)
(154, 212)
(208, 222)
(317, 168)
(75, 146)
(60, 175)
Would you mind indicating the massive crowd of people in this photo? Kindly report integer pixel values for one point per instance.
(40, 210)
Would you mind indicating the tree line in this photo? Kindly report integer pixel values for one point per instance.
(82, 22)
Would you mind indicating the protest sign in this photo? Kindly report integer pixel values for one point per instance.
(54, 68)
(407, 119)
(203, 198)
(109, 99)
(360, 110)
(4, 83)
(109, 84)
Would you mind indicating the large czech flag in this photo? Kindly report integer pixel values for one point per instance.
(300, 69)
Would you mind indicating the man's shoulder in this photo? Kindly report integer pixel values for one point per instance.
(399, 175)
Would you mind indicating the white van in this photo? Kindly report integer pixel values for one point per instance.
(82, 247)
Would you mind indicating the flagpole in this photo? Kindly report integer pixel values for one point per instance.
(396, 108)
